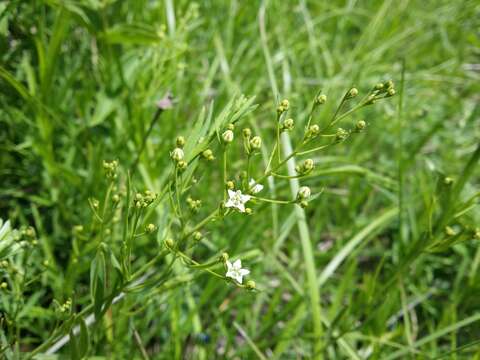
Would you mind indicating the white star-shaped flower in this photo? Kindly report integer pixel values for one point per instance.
(237, 200)
(235, 271)
(254, 187)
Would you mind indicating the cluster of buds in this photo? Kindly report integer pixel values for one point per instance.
(194, 205)
(177, 154)
(312, 132)
(341, 135)
(110, 169)
(65, 308)
(306, 167)
(380, 91)
(208, 155)
(283, 107)
(143, 200)
(288, 125)
(303, 195)
(150, 228)
(251, 144)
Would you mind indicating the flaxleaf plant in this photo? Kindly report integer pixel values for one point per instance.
(151, 212)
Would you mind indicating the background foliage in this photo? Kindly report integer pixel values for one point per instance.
(79, 84)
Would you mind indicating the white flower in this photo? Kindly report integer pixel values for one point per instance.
(254, 187)
(237, 200)
(235, 271)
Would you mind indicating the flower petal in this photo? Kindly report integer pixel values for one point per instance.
(231, 193)
(237, 264)
(244, 272)
(245, 198)
(239, 278)
(240, 207)
(229, 266)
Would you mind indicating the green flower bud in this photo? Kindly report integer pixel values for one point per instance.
(3, 285)
(285, 104)
(197, 236)
(389, 84)
(321, 99)
(182, 165)
(308, 165)
(116, 198)
(247, 132)
(256, 142)
(312, 131)
(303, 204)
(150, 228)
(227, 136)
(224, 257)
(288, 124)
(231, 127)
(250, 285)
(169, 243)
(352, 93)
(177, 154)
(248, 211)
(390, 92)
(303, 193)
(230, 185)
(448, 181)
(341, 134)
(180, 141)
(208, 155)
(379, 86)
(360, 125)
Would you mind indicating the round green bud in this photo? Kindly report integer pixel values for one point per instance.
(288, 124)
(303, 193)
(248, 211)
(169, 243)
(321, 99)
(150, 228)
(390, 92)
(197, 236)
(180, 141)
(231, 127)
(95, 203)
(352, 93)
(250, 285)
(115, 198)
(177, 154)
(224, 257)
(361, 124)
(477, 234)
(308, 165)
(247, 132)
(227, 136)
(256, 142)
(230, 185)
(3, 285)
(314, 130)
(285, 103)
(379, 86)
(208, 155)
(45, 263)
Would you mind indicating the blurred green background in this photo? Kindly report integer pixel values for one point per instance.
(79, 81)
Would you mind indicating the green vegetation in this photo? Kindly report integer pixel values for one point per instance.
(127, 128)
